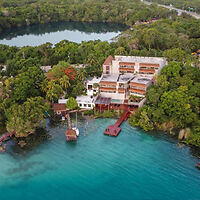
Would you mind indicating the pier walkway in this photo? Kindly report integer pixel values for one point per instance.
(3, 137)
(114, 130)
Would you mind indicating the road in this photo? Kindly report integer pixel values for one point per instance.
(193, 14)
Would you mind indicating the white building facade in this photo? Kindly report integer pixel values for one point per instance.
(92, 86)
(124, 76)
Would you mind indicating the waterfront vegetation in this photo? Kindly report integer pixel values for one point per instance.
(172, 102)
(108, 114)
(104, 114)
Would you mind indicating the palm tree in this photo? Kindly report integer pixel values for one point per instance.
(54, 91)
(82, 74)
(44, 85)
(64, 82)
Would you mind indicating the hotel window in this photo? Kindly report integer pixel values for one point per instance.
(80, 104)
(89, 87)
(89, 105)
(107, 69)
(85, 105)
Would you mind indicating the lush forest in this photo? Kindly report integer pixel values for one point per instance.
(192, 5)
(26, 93)
(173, 103)
(22, 12)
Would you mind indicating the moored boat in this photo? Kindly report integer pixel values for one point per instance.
(71, 135)
(73, 132)
(77, 131)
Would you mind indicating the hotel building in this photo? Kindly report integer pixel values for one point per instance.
(125, 76)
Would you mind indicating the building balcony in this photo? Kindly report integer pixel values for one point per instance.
(155, 66)
(107, 89)
(136, 91)
(145, 68)
(108, 86)
(138, 85)
(138, 88)
(128, 69)
(126, 64)
(121, 90)
(108, 83)
(149, 71)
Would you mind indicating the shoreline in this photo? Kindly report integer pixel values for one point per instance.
(40, 138)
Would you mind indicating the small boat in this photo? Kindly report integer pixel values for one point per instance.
(198, 165)
(77, 131)
(71, 135)
(73, 132)
(76, 127)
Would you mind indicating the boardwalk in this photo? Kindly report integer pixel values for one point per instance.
(114, 130)
(3, 137)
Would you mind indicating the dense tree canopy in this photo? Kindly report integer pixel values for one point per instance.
(173, 102)
(71, 103)
(24, 119)
(18, 13)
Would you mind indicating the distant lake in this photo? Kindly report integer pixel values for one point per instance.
(55, 32)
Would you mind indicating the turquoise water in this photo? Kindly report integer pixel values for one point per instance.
(134, 165)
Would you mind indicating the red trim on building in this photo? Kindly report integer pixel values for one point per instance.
(137, 91)
(149, 65)
(108, 60)
(127, 63)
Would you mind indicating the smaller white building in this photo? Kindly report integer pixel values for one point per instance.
(90, 86)
(86, 102)
(62, 101)
(45, 69)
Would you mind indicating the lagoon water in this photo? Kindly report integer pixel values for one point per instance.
(55, 32)
(135, 165)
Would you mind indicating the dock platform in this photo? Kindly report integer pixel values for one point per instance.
(114, 130)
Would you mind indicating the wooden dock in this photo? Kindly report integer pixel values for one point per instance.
(114, 130)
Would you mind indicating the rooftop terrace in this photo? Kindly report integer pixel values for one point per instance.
(125, 77)
(110, 77)
(85, 99)
(141, 79)
(140, 59)
(93, 80)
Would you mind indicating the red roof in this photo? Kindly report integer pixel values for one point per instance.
(70, 132)
(108, 60)
(59, 107)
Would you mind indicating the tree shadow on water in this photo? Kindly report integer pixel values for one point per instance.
(25, 145)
